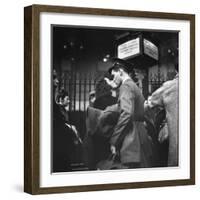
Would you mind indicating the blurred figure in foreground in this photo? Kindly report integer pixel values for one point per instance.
(167, 97)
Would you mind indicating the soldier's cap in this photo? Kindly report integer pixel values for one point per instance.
(119, 63)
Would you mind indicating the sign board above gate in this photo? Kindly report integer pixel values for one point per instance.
(137, 46)
(150, 49)
(129, 49)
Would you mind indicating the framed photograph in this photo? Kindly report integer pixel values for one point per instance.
(109, 99)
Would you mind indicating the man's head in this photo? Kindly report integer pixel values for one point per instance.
(117, 76)
(120, 70)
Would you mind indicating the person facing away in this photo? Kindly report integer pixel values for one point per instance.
(167, 97)
(125, 138)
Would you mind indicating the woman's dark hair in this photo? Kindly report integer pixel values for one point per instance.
(62, 94)
(102, 88)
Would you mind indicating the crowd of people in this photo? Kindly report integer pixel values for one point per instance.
(123, 130)
(65, 135)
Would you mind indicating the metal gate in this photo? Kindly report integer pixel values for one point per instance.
(79, 85)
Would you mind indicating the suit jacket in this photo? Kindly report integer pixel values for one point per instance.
(167, 97)
(129, 127)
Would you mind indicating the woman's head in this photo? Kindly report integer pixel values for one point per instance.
(63, 98)
(102, 88)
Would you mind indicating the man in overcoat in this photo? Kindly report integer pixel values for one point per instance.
(129, 129)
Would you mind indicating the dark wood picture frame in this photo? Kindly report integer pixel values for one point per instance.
(32, 92)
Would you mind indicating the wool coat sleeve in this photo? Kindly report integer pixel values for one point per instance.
(157, 98)
(126, 108)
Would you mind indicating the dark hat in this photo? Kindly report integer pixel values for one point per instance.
(119, 63)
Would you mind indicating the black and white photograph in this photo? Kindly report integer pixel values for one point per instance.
(114, 98)
(109, 99)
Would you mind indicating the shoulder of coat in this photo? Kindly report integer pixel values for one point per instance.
(171, 83)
